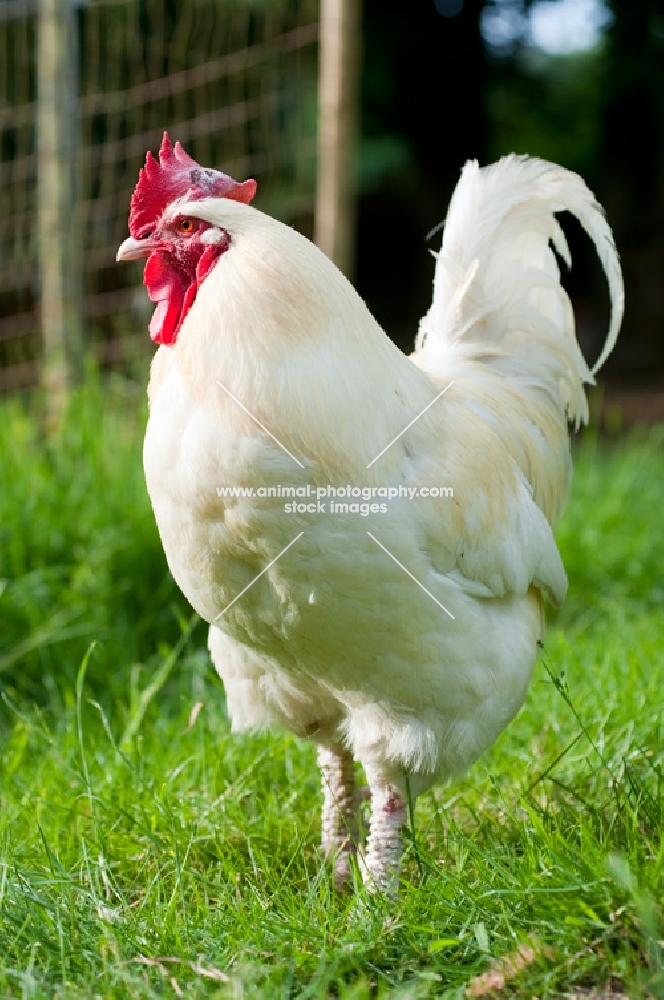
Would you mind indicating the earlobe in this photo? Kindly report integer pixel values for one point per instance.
(212, 236)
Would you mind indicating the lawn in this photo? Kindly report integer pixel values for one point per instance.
(146, 852)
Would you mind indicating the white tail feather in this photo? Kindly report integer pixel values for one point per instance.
(496, 250)
(498, 300)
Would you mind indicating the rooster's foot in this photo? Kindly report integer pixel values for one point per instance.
(382, 861)
(341, 802)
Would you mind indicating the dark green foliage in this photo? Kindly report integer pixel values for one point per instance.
(80, 557)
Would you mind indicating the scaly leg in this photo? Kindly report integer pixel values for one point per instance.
(382, 860)
(341, 802)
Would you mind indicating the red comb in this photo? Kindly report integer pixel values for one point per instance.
(174, 176)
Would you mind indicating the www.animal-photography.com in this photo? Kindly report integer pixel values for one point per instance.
(331, 555)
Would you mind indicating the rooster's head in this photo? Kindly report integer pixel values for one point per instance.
(181, 249)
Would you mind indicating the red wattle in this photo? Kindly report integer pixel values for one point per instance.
(174, 295)
(209, 258)
(165, 287)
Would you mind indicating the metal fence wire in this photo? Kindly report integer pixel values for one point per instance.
(234, 80)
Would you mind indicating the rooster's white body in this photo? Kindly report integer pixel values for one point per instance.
(336, 640)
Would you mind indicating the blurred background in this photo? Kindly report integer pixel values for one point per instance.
(418, 88)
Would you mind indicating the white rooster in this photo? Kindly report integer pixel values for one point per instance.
(398, 632)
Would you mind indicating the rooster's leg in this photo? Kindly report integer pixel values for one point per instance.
(341, 802)
(384, 844)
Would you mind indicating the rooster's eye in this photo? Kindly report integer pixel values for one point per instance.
(185, 226)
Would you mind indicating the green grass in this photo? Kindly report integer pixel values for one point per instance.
(147, 852)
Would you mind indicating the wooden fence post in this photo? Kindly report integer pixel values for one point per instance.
(338, 128)
(58, 232)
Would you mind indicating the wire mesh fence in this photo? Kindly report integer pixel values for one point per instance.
(234, 80)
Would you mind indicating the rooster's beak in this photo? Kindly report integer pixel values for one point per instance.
(132, 249)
